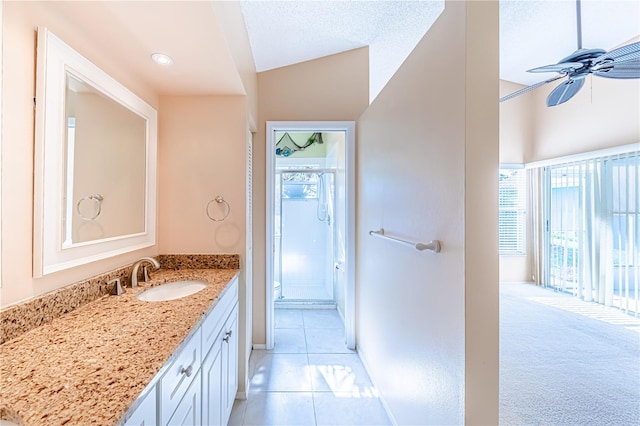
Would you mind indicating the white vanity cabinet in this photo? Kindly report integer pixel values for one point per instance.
(230, 363)
(212, 385)
(188, 412)
(198, 386)
(175, 382)
(145, 414)
(220, 373)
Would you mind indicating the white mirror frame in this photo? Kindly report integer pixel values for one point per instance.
(54, 57)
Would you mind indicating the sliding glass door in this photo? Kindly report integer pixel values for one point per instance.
(592, 229)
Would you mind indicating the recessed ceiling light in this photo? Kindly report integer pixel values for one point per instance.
(162, 59)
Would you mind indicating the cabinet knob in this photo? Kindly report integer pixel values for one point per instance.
(187, 371)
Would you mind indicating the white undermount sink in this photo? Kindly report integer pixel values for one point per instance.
(171, 291)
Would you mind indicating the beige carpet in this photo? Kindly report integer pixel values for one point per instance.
(566, 362)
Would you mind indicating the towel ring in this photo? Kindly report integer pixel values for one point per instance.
(219, 200)
(97, 199)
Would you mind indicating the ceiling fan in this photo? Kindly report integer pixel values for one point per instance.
(623, 63)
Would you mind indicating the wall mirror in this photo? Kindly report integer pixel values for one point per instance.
(95, 162)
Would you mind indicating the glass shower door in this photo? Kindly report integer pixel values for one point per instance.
(304, 245)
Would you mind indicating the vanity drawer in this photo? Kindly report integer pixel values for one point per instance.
(212, 325)
(181, 372)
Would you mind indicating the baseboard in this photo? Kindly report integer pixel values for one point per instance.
(243, 395)
(380, 396)
(260, 346)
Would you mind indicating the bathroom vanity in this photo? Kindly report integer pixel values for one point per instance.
(121, 360)
(198, 384)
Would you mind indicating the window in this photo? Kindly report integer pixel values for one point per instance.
(512, 214)
(593, 229)
(300, 186)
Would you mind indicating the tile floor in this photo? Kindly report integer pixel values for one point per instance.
(309, 378)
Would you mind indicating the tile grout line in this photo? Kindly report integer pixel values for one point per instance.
(313, 398)
(306, 351)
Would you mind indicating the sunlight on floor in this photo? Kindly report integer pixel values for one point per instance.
(342, 382)
(591, 310)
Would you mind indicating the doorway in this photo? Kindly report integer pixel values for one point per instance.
(310, 220)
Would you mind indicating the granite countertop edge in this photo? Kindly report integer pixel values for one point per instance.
(29, 380)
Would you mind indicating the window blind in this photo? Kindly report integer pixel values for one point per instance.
(512, 220)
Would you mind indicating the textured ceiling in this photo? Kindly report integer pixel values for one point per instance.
(532, 33)
(537, 33)
(288, 32)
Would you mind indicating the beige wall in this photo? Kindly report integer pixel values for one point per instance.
(19, 24)
(516, 125)
(427, 324)
(231, 21)
(333, 88)
(605, 113)
(202, 154)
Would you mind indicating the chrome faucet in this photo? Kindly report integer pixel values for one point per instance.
(136, 266)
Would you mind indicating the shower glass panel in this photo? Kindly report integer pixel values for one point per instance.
(304, 235)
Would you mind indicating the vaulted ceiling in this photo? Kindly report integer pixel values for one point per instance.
(532, 33)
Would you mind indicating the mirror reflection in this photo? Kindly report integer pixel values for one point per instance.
(105, 166)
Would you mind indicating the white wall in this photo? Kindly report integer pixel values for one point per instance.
(427, 324)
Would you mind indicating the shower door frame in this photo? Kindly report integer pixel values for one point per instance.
(350, 200)
(320, 171)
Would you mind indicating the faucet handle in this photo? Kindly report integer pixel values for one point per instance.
(145, 273)
(117, 290)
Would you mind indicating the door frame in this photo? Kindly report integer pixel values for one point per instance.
(350, 158)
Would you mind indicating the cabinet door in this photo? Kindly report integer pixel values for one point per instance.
(230, 363)
(189, 410)
(145, 414)
(179, 375)
(212, 394)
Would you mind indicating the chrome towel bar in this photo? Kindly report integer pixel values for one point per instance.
(433, 245)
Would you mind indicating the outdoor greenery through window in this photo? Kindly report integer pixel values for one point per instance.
(512, 212)
(301, 186)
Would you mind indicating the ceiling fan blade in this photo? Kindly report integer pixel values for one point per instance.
(628, 52)
(529, 88)
(563, 67)
(623, 70)
(565, 91)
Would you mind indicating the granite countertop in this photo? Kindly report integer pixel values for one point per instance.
(90, 365)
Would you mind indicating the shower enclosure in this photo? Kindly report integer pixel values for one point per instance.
(304, 235)
(309, 219)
